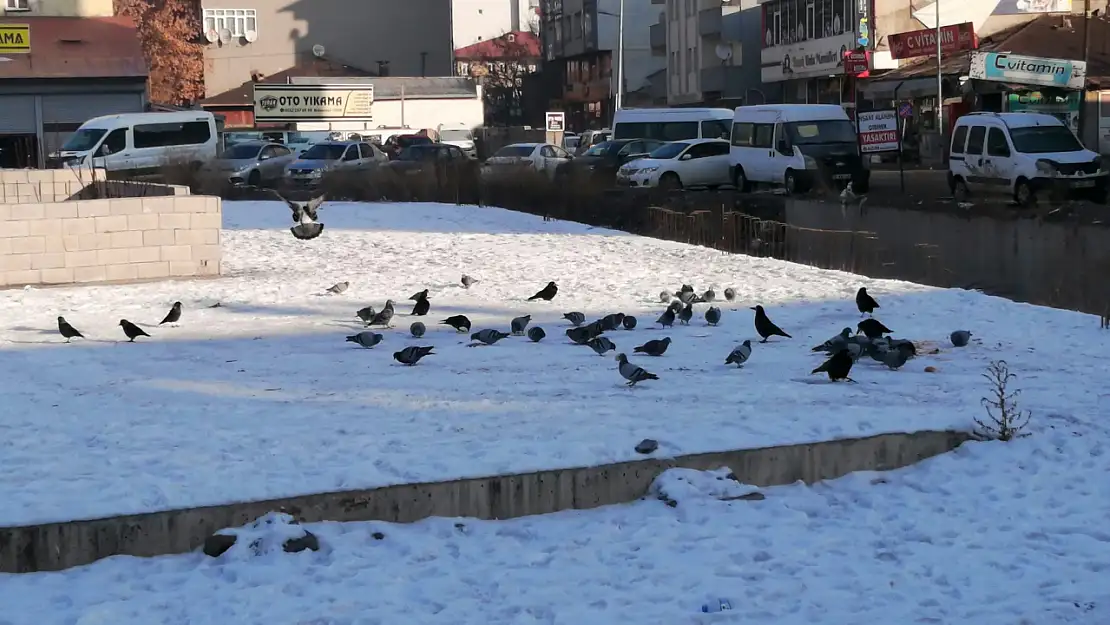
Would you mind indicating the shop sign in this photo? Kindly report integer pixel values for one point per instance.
(856, 63)
(820, 57)
(556, 121)
(878, 131)
(313, 103)
(15, 38)
(953, 39)
(1028, 70)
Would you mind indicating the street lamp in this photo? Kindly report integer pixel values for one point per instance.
(620, 53)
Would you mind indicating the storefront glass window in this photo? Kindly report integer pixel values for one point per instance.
(786, 22)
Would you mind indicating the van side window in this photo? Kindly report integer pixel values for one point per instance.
(116, 141)
(714, 129)
(742, 134)
(170, 134)
(996, 143)
(764, 136)
(664, 131)
(959, 138)
(975, 139)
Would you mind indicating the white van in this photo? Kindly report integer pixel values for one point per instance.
(460, 136)
(1021, 154)
(140, 144)
(672, 124)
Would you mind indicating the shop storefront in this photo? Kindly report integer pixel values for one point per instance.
(1033, 84)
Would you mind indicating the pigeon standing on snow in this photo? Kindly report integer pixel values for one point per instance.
(897, 356)
(612, 322)
(385, 316)
(518, 325)
(687, 297)
(629, 322)
(412, 355)
(67, 331)
(488, 337)
(713, 315)
(872, 328)
(459, 322)
(709, 295)
(765, 327)
(421, 307)
(366, 314)
(547, 293)
(687, 313)
(836, 343)
(338, 287)
(581, 335)
(837, 367)
(656, 347)
(740, 354)
(665, 297)
(959, 338)
(575, 318)
(676, 306)
(631, 372)
(536, 333)
(420, 295)
(730, 294)
(601, 345)
(174, 315)
(131, 330)
(467, 281)
(417, 329)
(865, 303)
(365, 339)
(666, 319)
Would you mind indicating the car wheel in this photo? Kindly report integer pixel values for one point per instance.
(670, 182)
(790, 182)
(740, 180)
(254, 179)
(1024, 194)
(960, 190)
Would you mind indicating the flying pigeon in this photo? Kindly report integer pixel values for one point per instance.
(838, 366)
(487, 337)
(629, 322)
(631, 372)
(872, 328)
(174, 315)
(385, 316)
(601, 345)
(417, 329)
(467, 281)
(459, 322)
(131, 330)
(666, 319)
(304, 216)
(420, 295)
(575, 318)
(67, 331)
(366, 314)
(421, 308)
(536, 333)
(730, 294)
(366, 339)
(654, 347)
(547, 293)
(959, 338)
(412, 354)
(765, 327)
(518, 325)
(740, 354)
(713, 315)
(338, 287)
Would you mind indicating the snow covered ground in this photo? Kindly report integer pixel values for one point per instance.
(261, 397)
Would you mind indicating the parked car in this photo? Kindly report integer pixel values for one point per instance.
(672, 124)
(460, 136)
(1021, 154)
(570, 141)
(590, 138)
(140, 145)
(311, 165)
(678, 165)
(397, 143)
(254, 163)
(600, 163)
(417, 158)
(542, 157)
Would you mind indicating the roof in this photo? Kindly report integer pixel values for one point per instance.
(390, 87)
(518, 43)
(77, 47)
(1017, 120)
(243, 95)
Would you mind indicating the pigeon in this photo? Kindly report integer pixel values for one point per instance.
(412, 354)
(338, 287)
(709, 295)
(877, 349)
(855, 350)
(518, 325)
(687, 297)
(654, 347)
(713, 315)
(629, 322)
(739, 354)
(960, 338)
(666, 319)
(422, 295)
(686, 288)
(385, 316)
(665, 296)
(488, 337)
(601, 345)
(417, 329)
(897, 356)
(536, 333)
(131, 330)
(686, 314)
(575, 318)
(730, 294)
(872, 328)
(612, 322)
(68, 331)
(459, 322)
(676, 306)
(835, 343)
(594, 328)
(174, 315)
(838, 366)
(865, 303)
(631, 372)
(420, 308)
(366, 339)
(467, 281)
(581, 336)
(765, 327)
(304, 216)
(547, 293)
(893, 343)
(366, 314)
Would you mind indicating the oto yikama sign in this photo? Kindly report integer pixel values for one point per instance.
(953, 39)
(878, 132)
(313, 103)
(15, 38)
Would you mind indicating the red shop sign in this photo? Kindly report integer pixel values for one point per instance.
(954, 38)
(855, 62)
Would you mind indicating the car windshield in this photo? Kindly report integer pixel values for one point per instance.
(241, 151)
(455, 135)
(1044, 139)
(603, 148)
(323, 152)
(233, 138)
(515, 150)
(416, 153)
(819, 132)
(404, 142)
(83, 140)
(669, 150)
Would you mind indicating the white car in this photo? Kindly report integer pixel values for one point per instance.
(680, 164)
(543, 157)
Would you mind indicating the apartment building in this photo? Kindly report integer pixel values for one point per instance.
(474, 21)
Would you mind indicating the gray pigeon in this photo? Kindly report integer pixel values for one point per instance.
(412, 354)
(686, 314)
(896, 357)
(366, 314)
(960, 338)
(612, 322)
(384, 317)
(536, 333)
(730, 293)
(855, 350)
(518, 325)
(601, 345)
(676, 306)
(687, 297)
(666, 319)
(488, 336)
(655, 347)
(338, 287)
(713, 315)
(709, 295)
(665, 296)
(629, 322)
(835, 343)
(740, 354)
(631, 372)
(575, 318)
(467, 281)
(417, 329)
(366, 339)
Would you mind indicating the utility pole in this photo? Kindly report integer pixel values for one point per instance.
(940, 84)
(1086, 59)
(620, 59)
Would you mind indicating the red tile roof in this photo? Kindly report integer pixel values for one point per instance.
(77, 47)
(523, 45)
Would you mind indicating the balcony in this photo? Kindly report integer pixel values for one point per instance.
(727, 80)
(709, 22)
(658, 39)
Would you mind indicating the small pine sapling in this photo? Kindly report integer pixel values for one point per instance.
(1005, 420)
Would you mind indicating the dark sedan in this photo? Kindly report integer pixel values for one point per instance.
(600, 163)
(429, 157)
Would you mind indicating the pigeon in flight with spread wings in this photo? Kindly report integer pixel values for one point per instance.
(304, 215)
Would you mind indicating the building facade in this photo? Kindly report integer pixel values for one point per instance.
(56, 8)
(474, 21)
(501, 65)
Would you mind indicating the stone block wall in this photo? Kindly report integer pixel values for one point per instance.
(59, 185)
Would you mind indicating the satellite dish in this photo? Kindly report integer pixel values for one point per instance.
(225, 35)
(318, 51)
(251, 36)
(724, 51)
(212, 35)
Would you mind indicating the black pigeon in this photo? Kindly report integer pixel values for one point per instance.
(687, 313)
(838, 366)
(422, 295)
(612, 322)
(872, 328)
(131, 330)
(366, 314)
(765, 327)
(459, 322)
(575, 318)
(68, 331)
(517, 325)
(421, 307)
(629, 322)
(730, 293)
(601, 345)
(594, 328)
(864, 302)
(666, 319)
(687, 297)
(897, 356)
(417, 329)
(713, 315)
(174, 315)
(959, 338)
(547, 293)
(365, 339)
(655, 347)
(686, 288)
(412, 354)
(581, 335)
(536, 333)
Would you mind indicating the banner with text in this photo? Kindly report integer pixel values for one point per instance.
(313, 103)
(953, 39)
(1028, 70)
(878, 132)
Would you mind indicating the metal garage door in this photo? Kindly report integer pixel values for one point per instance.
(62, 114)
(17, 114)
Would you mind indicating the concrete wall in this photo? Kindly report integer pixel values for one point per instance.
(57, 229)
(55, 546)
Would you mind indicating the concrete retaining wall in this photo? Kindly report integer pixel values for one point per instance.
(55, 546)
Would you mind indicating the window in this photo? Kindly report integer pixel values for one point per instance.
(700, 150)
(17, 5)
(764, 136)
(547, 152)
(959, 139)
(716, 149)
(668, 150)
(742, 134)
(1043, 139)
(662, 131)
(786, 22)
(237, 21)
(171, 134)
(996, 143)
(367, 150)
(116, 141)
(715, 129)
(821, 132)
(975, 140)
(560, 152)
(281, 150)
(351, 154)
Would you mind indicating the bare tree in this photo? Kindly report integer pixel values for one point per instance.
(501, 67)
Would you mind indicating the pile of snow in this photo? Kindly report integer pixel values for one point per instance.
(680, 485)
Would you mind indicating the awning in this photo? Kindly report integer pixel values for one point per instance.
(906, 89)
